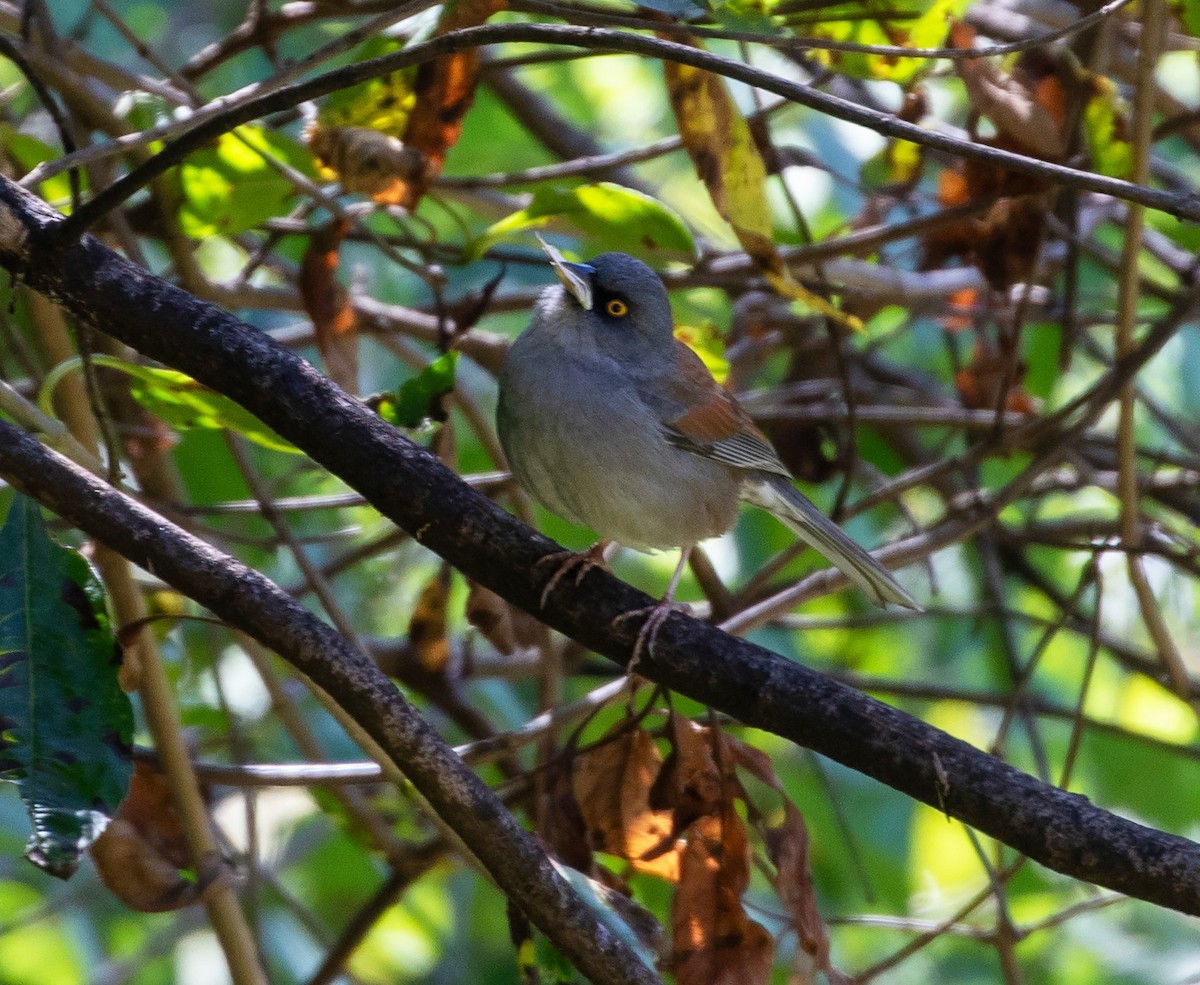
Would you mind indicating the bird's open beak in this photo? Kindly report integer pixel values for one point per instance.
(575, 277)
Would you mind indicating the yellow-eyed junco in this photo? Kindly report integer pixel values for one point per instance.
(609, 421)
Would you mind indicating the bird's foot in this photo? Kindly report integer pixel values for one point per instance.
(656, 615)
(579, 562)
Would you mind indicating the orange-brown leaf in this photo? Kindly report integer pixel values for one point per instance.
(612, 786)
(427, 628)
(1025, 107)
(141, 856)
(787, 846)
(690, 781)
(563, 825)
(328, 304)
(979, 383)
(714, 942)
(445, 89)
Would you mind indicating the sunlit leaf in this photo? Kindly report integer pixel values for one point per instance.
(614, 217)
(230, 188)
(185, 404)
(65, 723)
(719, 142)
(382, 103)
(883, 24)
(707, 343)
(1105, 118)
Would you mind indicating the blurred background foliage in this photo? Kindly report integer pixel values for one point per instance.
(1033, 641)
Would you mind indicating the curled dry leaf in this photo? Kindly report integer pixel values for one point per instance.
(368, 161)
(715, 943)
(612, 786)
(328, 304)
(1027, 107)
(445, 90)
(787, 846)
(142, 856)
(506, 627)
(979, 383)
(689, 782)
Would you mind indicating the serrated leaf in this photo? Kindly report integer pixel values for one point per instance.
(65, 724)
(416, 401)
(230, 188)
(615, 217)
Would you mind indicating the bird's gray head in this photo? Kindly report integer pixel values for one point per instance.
(614, 299)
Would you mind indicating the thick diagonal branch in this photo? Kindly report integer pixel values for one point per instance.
(1061, 830)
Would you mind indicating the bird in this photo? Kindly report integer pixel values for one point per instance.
(610, 422)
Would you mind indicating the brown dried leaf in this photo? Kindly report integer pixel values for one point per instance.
(787, 846)
(445, 89)
(427, 628)
(1027, 107)
(612, 785)
(141, 855)
(980, 382)
(1003, 243)
(505, 626)
(369, 162)
(563, 825)
(715, 943)
(690, 781)
(328, 304)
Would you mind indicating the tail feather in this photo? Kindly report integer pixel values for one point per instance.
(792, 508)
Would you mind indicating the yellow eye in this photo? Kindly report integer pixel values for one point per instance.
(617, 308)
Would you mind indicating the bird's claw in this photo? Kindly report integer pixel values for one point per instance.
(581, 562)
(656, 615)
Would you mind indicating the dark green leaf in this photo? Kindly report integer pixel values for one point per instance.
(417, 400)
(65, 723)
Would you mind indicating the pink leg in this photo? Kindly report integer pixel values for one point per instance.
(656, 614)
(581, 562)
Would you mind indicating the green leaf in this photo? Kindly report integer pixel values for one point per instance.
(383, 103)
(1104, 123)
(416, 400)
(230, 188)
(28, 152)
(1191, 17)
(65, 724)
(179, 400)
(617, 218)
(889, 25)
